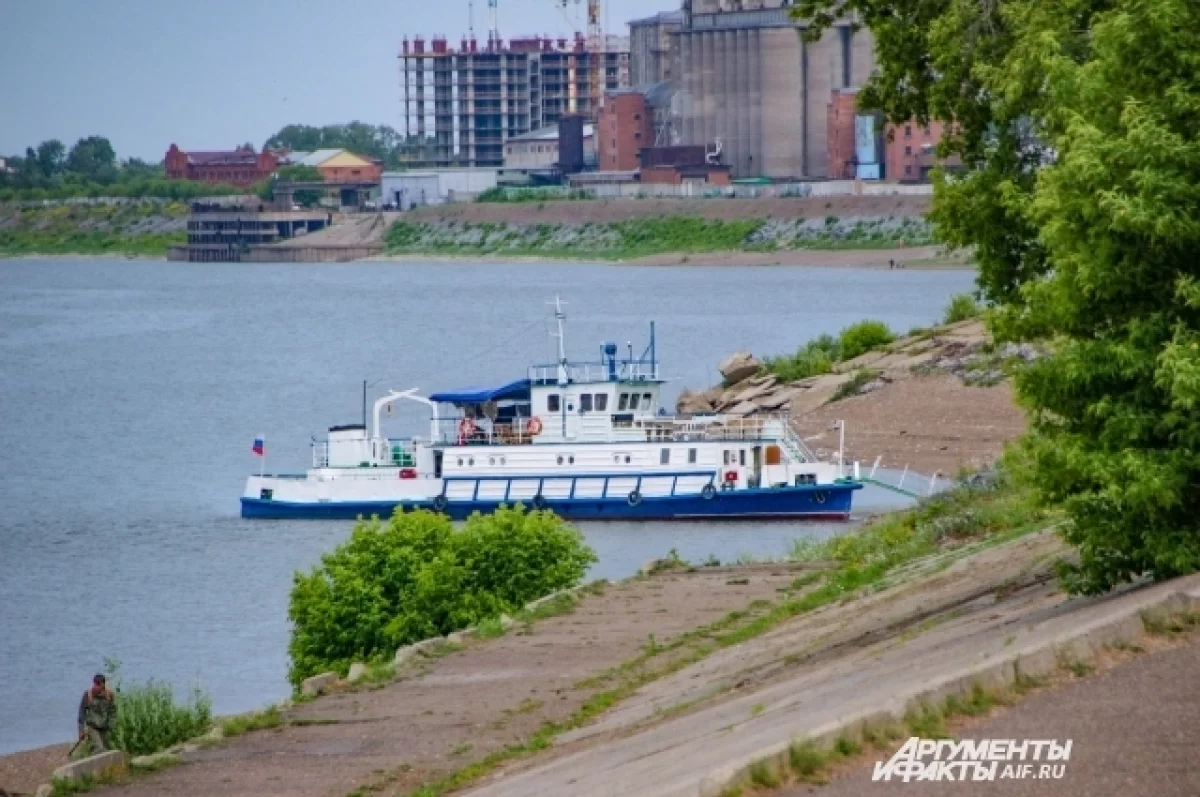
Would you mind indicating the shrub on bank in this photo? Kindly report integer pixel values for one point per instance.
(416, 576)
(812, 359)
(962, 306)
(863, 337)
(148, 717)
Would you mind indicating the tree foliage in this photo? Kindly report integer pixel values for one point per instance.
(415, 576)
(374, 141)
(1079, 124)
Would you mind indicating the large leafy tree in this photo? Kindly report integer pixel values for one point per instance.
(1079, 125)
(93, 158)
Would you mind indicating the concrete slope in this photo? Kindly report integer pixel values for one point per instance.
(699, 752)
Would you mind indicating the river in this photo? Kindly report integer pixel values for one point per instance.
(131, 390)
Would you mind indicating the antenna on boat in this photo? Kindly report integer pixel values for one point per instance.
(560, 316)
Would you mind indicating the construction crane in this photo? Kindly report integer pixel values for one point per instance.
(595, 30)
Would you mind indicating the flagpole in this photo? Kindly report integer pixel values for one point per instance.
(262, 461)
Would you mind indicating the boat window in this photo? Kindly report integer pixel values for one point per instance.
(585, 402)
(601, 402)
(633, 401)
(491, 460)
(664, 457)
(726, 453)
(646, 401)
(501, 460)
(571, 460)
(560, 459)
(460, 462)
(552, 402)
(691, 456)
(742, 457)
(626, 459)
(471, 461)
(616, 458)
(624, 403)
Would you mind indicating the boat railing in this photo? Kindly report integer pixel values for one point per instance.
(574, 479)
(624, 370)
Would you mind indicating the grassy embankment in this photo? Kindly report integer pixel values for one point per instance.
(622, 240)
(941, 530)
(145, 229)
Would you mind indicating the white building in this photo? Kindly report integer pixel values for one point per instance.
(407, 190)
(538, 149)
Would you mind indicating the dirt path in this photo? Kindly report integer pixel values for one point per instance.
(931, 424)
(23, 772)
(1134, 730)
(473, 702)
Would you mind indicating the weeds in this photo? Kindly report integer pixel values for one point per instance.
(962, 307)
(149, 719)
(856, 383)
(244, 723)
(763, 776)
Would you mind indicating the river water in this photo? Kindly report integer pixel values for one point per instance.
(130, 392)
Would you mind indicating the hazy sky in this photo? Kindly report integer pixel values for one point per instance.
(212, 74)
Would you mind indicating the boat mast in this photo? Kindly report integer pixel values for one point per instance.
(559, 317)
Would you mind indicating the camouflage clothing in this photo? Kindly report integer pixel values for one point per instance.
(98, 717)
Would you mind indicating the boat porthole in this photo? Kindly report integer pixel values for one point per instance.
(471, 461)
(439, 503)
(819, 497)
(460, 462)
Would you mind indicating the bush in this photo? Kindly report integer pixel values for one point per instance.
(863, 337)
(149, 719)
(962, 306)
(416, 576)
(812, 359)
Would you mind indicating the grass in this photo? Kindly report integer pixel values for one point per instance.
(149, 718)
(962, 307)
(245, 723)
(856, 382)
(855, 562)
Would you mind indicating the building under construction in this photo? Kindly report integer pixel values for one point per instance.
(465, 103)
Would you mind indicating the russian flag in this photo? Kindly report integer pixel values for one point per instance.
(259, 447)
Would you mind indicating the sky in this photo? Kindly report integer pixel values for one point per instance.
(213, 74)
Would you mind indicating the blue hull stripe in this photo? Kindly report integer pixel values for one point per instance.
(810, 501)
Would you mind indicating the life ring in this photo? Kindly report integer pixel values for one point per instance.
(534, 427)
(466, 428)
(440, 503)
(708, 492)
(819, 497)
(539, 501)
(634, 498)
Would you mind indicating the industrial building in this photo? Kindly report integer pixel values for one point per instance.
(653, 48)
(539, 149)
(410, 189)
(469, 101)
(747, 80)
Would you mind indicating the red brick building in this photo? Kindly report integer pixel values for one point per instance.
(912, 150)
(677, 165)
(624, 126)
(242, 167)
(907, 152)
(843, 108)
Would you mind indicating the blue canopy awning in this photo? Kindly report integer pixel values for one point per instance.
(513, 391)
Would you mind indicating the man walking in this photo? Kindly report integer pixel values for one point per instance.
(98, 715)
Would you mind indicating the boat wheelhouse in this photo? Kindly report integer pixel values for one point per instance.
(588, 440)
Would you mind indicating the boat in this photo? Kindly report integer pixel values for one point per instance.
(587, 440)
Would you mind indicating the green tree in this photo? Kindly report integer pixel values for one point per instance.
(50, 157)
(1079, 122)
(93, 158)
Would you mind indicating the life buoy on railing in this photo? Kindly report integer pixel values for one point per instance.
(534, 427)
(819, 497)
(707, 492)
(440, 503)
(634, 498)
(466, 428)
(539, 501)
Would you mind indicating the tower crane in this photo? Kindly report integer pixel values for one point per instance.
(596, 48)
